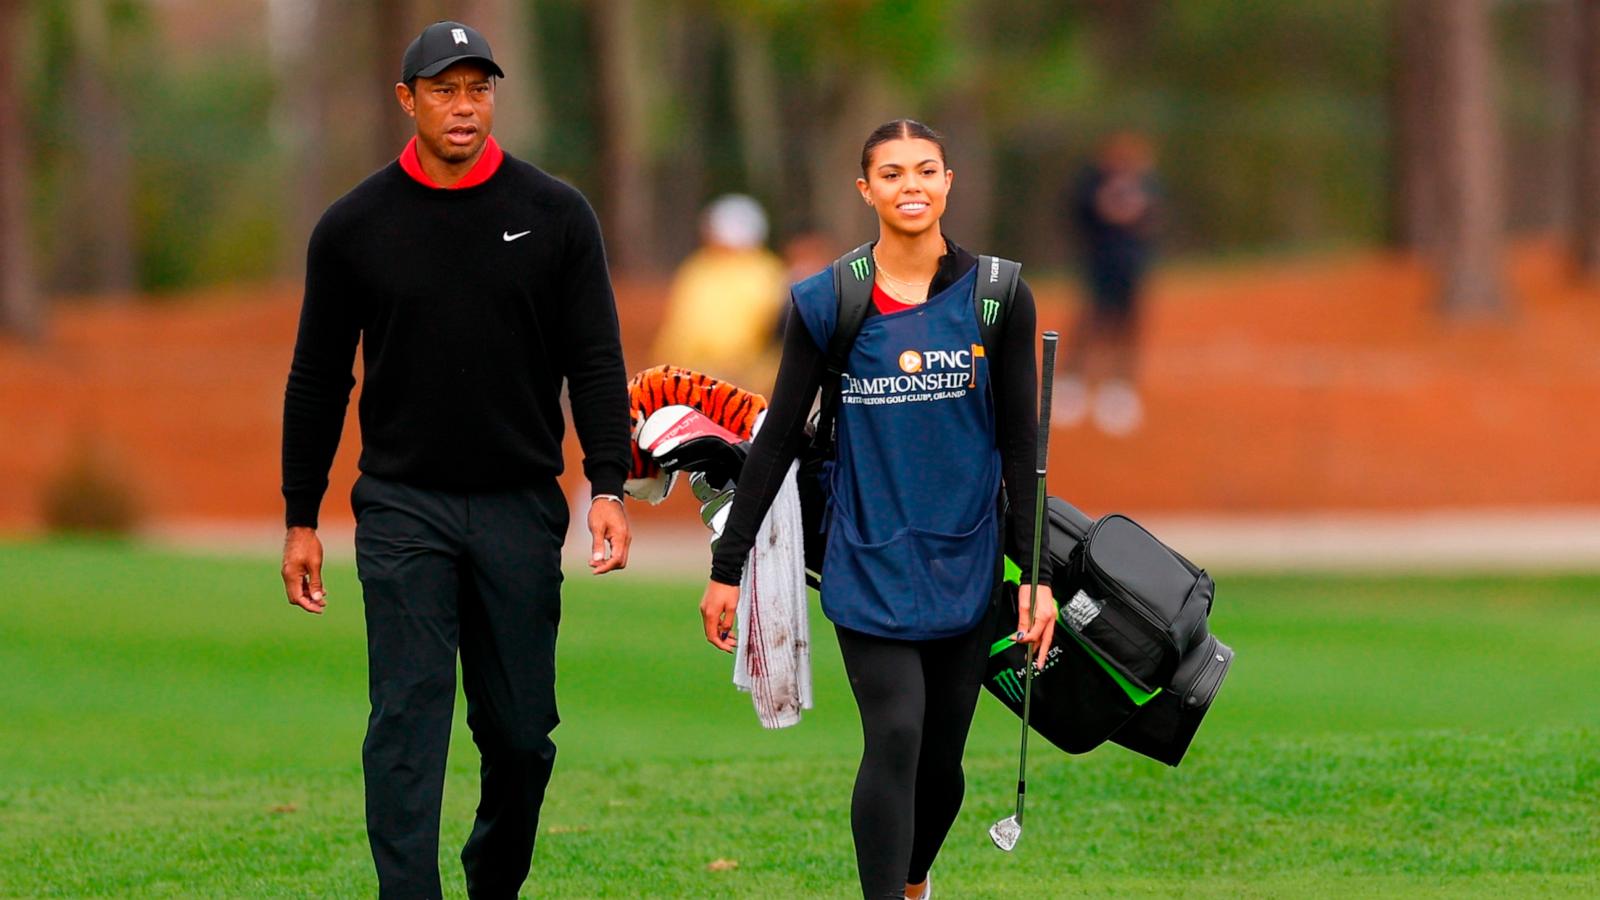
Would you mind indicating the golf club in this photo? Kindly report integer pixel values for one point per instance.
(1006, 832)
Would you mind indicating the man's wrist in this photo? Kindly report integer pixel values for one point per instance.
(594, 497)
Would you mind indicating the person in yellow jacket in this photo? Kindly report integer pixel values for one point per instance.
(727, 299)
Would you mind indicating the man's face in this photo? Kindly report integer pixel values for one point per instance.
(454, 111)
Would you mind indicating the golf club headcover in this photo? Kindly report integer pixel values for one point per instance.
(679, 438)
(651, 389)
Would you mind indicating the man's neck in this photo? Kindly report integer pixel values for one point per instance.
(443, 172)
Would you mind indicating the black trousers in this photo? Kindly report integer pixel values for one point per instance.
(916, 700)
(478, 574)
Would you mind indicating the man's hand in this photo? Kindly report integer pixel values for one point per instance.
(302, 569)
(608, 524)
(720, 610)
(1039, 628)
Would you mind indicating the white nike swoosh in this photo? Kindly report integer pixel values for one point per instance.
(509, 237)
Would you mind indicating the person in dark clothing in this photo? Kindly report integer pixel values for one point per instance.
(476, 285)
(914, 534)
(1111, 211)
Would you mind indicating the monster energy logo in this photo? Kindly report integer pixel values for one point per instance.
(860, 268)
(991, 309)
(1010, 684)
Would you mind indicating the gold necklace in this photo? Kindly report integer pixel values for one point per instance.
(914, 285)
(889, 289)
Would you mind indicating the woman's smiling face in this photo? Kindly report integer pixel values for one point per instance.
(907, 183)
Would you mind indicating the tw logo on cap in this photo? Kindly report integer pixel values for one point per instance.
(460, 35)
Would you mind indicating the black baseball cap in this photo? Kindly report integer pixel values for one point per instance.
(442, 45)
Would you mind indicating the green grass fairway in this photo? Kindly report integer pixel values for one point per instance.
(169, 726)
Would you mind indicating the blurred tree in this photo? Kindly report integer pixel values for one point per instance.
(961, 111)
(296, 32)
(758, 105)
(363, 120)
(1586, 144)
(1471, 194)
(1414, 122)
(100, 218)
(1538, 56)
(692, 138)
(564, 48)
(21, 312)
(1273, 118)
(1270, 117)
(393, 25)
(624, 107)
(849, 67)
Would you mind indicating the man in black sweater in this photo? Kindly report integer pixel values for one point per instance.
(476, 284)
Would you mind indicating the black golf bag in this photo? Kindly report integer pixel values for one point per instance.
(1133, 659)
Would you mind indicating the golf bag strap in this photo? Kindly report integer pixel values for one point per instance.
(852, 285)
(997, 288)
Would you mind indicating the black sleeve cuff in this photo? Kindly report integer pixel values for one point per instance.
(301, 512)
(607, 480)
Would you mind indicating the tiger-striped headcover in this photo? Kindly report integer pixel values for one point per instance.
(733, 408)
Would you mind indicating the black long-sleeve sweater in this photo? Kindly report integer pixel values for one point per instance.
(472, 307)
(1012, 373)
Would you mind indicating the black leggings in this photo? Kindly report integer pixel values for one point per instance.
(916, 700)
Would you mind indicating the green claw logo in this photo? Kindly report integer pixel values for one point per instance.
(991, 309)
(860, 268)
(1010, 684)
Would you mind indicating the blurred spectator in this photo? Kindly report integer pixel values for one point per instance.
(727, 299)
(804, 255)
(1111, 212)
(808, 253)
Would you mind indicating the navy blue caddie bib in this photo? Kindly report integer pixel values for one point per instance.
(913, 535)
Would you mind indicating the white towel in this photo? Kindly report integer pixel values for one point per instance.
(773, 661)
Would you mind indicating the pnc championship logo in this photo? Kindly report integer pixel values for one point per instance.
(925, 375)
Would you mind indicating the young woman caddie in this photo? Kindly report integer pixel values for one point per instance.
(931, 430)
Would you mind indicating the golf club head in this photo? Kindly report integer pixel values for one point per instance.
(1005, 833)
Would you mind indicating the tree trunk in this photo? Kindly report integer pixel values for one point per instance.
(296, 30)
(965, 123)
(21, 311)
(1586, 146)
(104, 260)
(622, 94)
(1414, 124)
(1546, 177)
(359, 123)
(689, 49)
(756, 103)
(392, 25)
(963, 117)
(1472, 220)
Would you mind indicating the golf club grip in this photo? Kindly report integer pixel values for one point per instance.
(1047, 377)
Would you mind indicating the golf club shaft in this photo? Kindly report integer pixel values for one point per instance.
(1046, 378)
